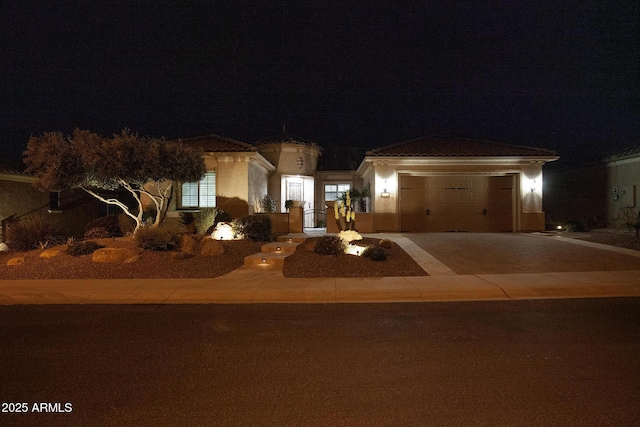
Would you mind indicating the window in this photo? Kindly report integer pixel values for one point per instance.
(335, 191)
(200, 194)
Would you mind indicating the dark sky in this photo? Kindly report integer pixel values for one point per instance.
(557, 74)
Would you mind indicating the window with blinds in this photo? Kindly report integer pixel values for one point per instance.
(200, 194)
(335, 191)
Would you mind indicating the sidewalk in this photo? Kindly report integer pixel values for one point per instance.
(266, 284)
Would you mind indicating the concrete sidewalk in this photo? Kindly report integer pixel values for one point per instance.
(266, 284)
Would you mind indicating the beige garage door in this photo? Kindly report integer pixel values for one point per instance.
(456, 203)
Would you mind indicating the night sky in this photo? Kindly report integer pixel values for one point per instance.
(559, 74)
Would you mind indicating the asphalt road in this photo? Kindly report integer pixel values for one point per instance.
(510, 363)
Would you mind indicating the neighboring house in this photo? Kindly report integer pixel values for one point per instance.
(19, 198)
(425, 184)
(602, 193)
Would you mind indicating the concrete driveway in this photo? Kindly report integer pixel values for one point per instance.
(508, 253)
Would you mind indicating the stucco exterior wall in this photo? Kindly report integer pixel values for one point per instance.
(232, 183)
(258, 179)
(598, 195)
(19, 197)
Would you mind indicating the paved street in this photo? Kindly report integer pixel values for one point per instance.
(536, 362)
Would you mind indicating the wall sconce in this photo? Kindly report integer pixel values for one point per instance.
(534, 186)
(385, 193)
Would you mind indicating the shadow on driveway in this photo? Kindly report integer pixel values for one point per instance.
(506, 253)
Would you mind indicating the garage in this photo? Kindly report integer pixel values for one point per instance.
(460, 203)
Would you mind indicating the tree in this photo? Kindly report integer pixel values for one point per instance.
(140, 165)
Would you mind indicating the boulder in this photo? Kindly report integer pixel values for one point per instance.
(121, 255)
(179, 256)
(16, 261)
(51, 252)
(211, 247)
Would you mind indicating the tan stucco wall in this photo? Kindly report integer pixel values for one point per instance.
(257, 180)
(587, 193)
(18, 196)
(232, 183)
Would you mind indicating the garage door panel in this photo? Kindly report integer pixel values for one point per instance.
(457, 203)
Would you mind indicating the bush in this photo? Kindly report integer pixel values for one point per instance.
(103, 228)
(126, 224)
(330, 245)
(575, 226)
(83, 248)
(205, 220)
(222, 217)
(32, 232)
(268, 204)
(253, 227)
(156, 238)
(375, 253)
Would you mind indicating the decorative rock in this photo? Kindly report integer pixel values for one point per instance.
(385, 243)
(210, 247)
(50, 253)
(115, 255)
(16, 261)
(179, 256)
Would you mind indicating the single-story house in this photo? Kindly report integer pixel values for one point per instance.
(70, 211)
(600, 193)
(425, 184)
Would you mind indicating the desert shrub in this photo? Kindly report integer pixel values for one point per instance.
(97, 233)
(268, 204)
(83, 248)
(385, 243)
(223, 217)
(103, 227)
(375, 253)
(330, 245)
(126, 224)
(253, 227)
(156, 238)
(575, 226)
(205, 219)
(32, 232)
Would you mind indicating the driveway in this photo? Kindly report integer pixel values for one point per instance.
(507, 253)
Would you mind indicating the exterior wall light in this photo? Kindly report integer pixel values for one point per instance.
(385, 193)
(534, 186)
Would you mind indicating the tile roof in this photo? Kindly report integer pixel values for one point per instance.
(217, 143)
(626, 152)
(286, 138)
(340, 159)
(438, 146)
